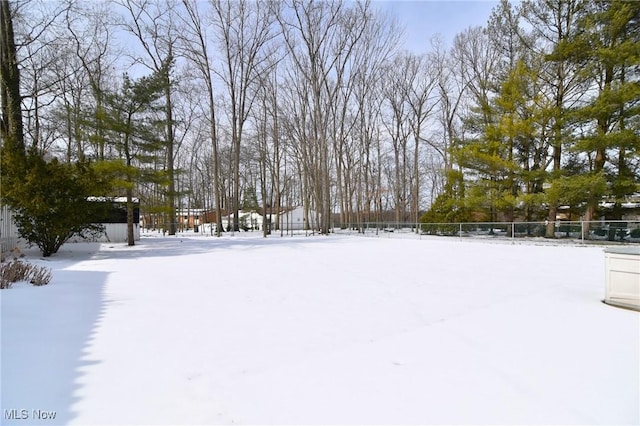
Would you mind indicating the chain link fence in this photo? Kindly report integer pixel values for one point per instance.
(610, 231)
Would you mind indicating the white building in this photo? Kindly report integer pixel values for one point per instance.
(295, 219)
(250, 221)
(114, 231)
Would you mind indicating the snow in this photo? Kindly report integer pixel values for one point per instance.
(319, 330)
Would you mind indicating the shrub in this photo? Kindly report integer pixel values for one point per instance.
(50, 200)
(40, 276)
(16, 270)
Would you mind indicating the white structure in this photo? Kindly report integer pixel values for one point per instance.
(290, 220)
(113, 233)
(9, 238)
(622, 279)
(295, 219)
(247, 220)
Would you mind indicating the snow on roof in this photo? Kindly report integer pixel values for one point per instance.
(189, 211)
(625, 205)
(113, 199)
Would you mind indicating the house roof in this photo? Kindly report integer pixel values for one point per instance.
(113, 199)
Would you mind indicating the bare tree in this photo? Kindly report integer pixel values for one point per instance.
(152, 23)
(375, 49)
(421, 103)
(400, 77)
(243, 30)
(321, 38)
(41, 48)
(89, 27)
(30, 47)
(195, 43)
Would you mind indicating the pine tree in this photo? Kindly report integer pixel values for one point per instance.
(250, 200)
(552, 23)
(504, 160)
(132, 132)
(609, 48)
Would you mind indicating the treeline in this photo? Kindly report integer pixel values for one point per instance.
(551, 114)
(219, 104)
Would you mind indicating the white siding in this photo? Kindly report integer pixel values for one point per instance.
(295, 220)
(117, 232)
(8, 231)
(622, 277)
(114, 233)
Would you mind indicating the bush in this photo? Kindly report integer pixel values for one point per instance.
(439, 229)
(17, 270)
(50, 201)
(40, 276)
(446, 209)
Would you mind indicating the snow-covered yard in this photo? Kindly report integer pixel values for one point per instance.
(319, 330)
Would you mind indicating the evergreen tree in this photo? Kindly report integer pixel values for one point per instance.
(505, 161)
(449, 206)
(578, 191)
(498, 127)
(50, 201)
(609, 46)
(132, 132)
(552, 23)
(250, 200)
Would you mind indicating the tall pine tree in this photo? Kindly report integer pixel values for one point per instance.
(608, 138)
(132, 132)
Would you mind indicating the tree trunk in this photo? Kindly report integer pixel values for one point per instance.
(171, 190)
(11, 127)
(130, 234)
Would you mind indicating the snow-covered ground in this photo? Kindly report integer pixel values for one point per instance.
(319, 330)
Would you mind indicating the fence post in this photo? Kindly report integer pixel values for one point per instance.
(513, 230)
(582, 231)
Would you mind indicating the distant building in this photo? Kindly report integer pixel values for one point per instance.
(247, 221)
(187, 219)
(627, 210)
(607, 210)
(294, 219)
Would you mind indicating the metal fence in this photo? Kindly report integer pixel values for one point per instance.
(610, 231)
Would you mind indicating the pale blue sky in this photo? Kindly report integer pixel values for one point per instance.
(424, 18)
